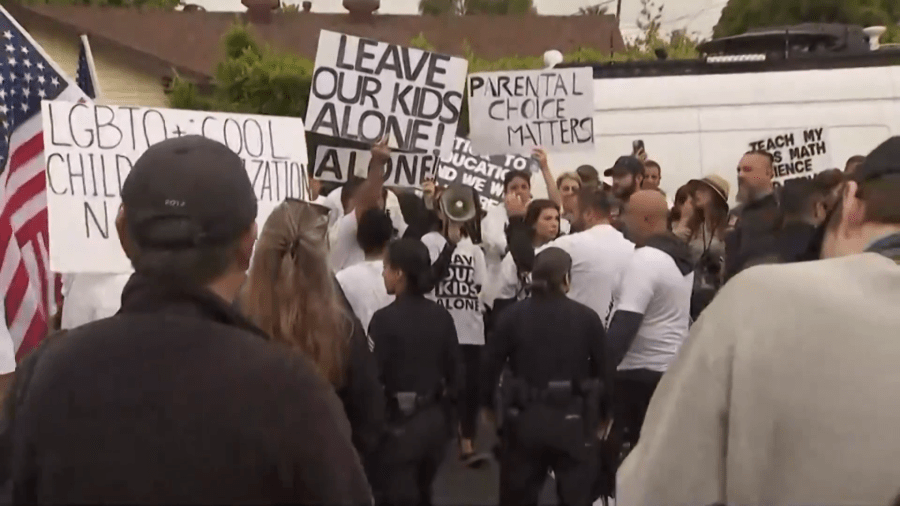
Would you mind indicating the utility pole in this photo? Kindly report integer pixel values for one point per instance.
(619, 13)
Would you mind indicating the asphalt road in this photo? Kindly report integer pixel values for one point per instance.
(457, 485)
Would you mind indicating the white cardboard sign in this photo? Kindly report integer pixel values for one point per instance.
(514, 112)
(364, 90)
(403, 170)
(798, 152)
(90, 149)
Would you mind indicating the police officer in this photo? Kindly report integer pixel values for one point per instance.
(415, 345)
(554, 398)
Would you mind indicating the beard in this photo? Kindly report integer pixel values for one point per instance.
(623, 192)
(745, 193)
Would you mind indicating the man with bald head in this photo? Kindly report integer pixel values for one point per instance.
(652, 314)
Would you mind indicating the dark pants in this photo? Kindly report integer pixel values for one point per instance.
(468, 410)
(410, 458)
(540, 439)
(632, 394)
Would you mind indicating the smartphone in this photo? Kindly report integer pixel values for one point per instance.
(637, 147)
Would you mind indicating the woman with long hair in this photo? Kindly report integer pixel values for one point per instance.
(419, 365)
(542, 220)
(702, 224)
(292, 295)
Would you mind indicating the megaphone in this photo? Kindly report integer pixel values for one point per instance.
(458, 203)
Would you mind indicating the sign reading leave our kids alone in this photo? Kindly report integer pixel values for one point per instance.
(366, 90)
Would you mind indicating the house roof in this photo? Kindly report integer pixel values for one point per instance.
(191, 42)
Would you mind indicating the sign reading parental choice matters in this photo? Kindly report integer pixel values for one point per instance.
(90, 149)
(514, 112)
(366, 90)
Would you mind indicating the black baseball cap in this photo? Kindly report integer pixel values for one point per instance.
(188, 192)
(628, 164)
(883, 161)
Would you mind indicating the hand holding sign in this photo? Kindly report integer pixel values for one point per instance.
(541, 157)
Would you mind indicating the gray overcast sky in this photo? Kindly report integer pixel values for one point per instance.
(698, 16)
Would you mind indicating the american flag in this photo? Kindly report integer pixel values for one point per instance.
(28, 287)
(86, 74)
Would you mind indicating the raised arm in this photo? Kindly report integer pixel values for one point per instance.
(370, 194)
(553, 192)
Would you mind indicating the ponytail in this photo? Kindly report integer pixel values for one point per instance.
(420, 283)
(411, 257)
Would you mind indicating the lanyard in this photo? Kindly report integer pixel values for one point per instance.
(888, 246)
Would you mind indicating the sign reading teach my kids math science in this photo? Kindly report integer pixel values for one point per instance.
(798, 152)
(90, 150)
(515, 112)
(365, 90)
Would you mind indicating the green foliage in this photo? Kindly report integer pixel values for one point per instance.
(251, 79)
(595, 10)
(739, 16)
(160, 4)
(469, 7)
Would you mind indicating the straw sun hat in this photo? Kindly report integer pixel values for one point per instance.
(718, 184)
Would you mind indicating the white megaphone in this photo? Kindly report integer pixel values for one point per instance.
(458, 203)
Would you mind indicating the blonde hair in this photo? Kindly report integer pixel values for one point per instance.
(569, 175)
(290, 292)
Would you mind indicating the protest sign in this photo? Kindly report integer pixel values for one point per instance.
(403, 170)
(365, 90)
(90, 149)
(514, 112)
(798, 152)
(484, 173)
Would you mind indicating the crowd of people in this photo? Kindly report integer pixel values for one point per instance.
(335, 354)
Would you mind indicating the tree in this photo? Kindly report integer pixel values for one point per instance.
(259, 80)
(739, 16)
(471, 7)
(595, 10)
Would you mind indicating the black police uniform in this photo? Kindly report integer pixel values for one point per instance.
(550, 406)
(417, 351)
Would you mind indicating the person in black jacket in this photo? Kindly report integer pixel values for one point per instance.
(420, 367)
(556, 396)
(290, 294)
(178, 399)
(752, 225)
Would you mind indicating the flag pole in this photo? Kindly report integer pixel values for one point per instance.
(89, 56)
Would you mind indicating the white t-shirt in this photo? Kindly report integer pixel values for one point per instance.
(654, 287)
(508, 283)
(599, 257)
(363, 286)
(461, 292)
(91, 297)
(493, 237)
(345, 249)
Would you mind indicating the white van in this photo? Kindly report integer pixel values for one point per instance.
(703, 123)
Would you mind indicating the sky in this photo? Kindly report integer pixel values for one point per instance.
(698, 16)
